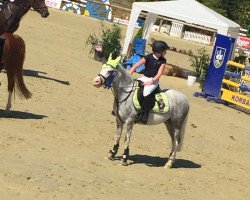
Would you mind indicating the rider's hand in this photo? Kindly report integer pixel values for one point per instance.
(150, 82)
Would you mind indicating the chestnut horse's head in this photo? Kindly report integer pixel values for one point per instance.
(40, 7)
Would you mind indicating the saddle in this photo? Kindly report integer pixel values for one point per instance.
(159, 100)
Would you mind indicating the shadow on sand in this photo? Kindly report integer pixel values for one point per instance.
(33, 73)
(153, 161)
(20, 115)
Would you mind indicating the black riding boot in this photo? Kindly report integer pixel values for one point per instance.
(145, 109)
(1, 53)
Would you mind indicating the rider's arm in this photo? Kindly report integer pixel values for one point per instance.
(157, 77)
(160, 72)
(139, 63)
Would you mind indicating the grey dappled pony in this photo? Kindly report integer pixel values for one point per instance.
(123, 89)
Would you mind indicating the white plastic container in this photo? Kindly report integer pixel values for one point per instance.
(191, 80)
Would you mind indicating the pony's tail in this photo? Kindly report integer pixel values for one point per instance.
(182, 133)
(19, 82)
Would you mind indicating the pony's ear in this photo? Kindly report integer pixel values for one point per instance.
(114, 62)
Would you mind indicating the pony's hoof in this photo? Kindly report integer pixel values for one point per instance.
(124, 162)
(168, 165)
(111, 156)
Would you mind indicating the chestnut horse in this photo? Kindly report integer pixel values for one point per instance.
(11, 13)
(13, 59)
(12, 47)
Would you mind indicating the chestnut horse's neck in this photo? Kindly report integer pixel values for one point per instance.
(12, 13)
(22, 7)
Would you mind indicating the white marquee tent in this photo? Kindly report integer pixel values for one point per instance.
(189, 11)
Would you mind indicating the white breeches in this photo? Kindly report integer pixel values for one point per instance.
(148, 89)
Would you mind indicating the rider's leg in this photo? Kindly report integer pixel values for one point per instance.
(146, 106)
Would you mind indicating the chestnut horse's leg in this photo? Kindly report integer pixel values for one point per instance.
(13, 59)
(8, 106)
(11, 83)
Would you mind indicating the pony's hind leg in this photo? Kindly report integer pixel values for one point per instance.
(114, 150)
(177, 136)
(171, 132)
(175, 142)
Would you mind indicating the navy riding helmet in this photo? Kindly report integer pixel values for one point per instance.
(159, 46)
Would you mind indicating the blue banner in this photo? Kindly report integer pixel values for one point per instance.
(221, 54)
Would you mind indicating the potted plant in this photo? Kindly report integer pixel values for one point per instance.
(200, 63)
(105, 43)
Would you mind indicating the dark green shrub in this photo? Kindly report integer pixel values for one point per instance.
(109, 39)
(200, 64)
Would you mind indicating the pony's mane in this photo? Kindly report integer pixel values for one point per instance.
(125, 73)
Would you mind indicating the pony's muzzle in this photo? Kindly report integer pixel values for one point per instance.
(97, 82)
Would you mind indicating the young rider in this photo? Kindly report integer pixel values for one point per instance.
(154, 66)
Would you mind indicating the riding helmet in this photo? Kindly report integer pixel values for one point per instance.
(159, 46)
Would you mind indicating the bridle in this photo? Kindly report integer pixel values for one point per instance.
(34, 6)
(107, 82)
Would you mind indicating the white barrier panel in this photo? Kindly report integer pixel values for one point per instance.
(176, 30)
(165, 28)
(53, 3)
(196, 37)
(120, 21)
(123, 22)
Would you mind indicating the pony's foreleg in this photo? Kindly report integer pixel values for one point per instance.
(125, 155)
(114, 150)
(8, 106)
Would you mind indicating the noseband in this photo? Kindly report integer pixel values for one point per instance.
(108, 81)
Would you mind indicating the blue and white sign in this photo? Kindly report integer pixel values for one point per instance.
(215, 73)
(219, 56)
